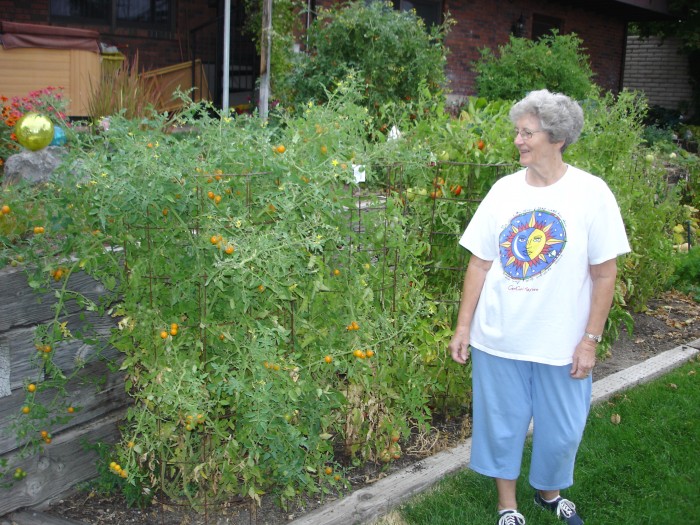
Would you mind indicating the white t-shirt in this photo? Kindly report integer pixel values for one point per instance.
(537, 295)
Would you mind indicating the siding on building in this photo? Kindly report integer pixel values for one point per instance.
(655, 67)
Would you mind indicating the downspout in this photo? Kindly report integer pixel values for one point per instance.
(623, 62)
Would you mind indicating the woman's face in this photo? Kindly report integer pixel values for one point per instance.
(536, 150)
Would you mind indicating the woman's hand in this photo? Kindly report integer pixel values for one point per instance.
(584, 359)
(459, 346)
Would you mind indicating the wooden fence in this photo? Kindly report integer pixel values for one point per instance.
(96, 392)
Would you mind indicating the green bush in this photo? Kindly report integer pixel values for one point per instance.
(555, 62)
(686, 275)
(611, 146)
(392, 52)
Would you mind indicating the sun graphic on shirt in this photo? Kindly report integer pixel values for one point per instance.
(531, 243)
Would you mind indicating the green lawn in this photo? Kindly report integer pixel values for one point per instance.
(643, 470)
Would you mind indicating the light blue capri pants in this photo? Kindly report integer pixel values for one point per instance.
(507, 394)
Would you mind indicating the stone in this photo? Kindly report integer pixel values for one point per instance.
(34, 167)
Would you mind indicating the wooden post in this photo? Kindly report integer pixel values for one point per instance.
(265, 45)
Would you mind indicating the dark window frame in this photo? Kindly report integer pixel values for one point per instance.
(107, 14)
(543, 24)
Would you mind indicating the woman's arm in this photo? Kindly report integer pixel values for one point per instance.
(603, 276)
(471, 291)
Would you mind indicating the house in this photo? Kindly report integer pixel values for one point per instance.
(167, 32)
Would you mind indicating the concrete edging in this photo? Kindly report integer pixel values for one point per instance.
(372, 502)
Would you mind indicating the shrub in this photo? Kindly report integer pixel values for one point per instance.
(611, 146)
(264, 327)
(555, 62)
(392, 53)
(686, 274)
(123, 90)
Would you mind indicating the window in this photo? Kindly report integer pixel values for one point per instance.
(429, 10)
(542, 25)
(155, 14)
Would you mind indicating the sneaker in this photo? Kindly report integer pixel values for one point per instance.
(511, 517)
(563, 508)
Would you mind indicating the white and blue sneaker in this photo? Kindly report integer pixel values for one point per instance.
(563, 508)
(510, 517)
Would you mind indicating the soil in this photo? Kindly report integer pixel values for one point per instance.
(670, 321)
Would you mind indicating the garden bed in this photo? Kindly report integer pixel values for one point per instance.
(671, 320)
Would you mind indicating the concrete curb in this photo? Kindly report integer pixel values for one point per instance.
(372, 502)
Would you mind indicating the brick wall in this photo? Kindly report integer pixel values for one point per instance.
(656, 68)
(155, 48)
(488, 24)
(481, 23)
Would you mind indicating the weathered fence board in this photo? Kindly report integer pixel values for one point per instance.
(62, 465)
(21, 306)
(93, 387)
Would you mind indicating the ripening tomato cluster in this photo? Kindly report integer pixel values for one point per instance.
(46, 349)
(58, 273)
(363, 354)
(353, 326)
(191, 421)
(218, 241)
(117, 469)
(174, 329)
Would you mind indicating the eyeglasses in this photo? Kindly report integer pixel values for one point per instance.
(526, 134)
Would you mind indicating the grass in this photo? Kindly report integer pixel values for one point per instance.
(642, 470)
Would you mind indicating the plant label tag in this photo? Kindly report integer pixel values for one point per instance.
(359, 172)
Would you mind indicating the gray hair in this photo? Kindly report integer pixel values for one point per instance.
(560, 116)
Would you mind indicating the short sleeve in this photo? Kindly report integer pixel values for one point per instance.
(607, 237)
(480, 236)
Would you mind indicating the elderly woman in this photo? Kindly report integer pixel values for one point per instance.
(537, 292)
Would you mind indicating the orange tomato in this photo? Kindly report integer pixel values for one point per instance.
(5, 209)
(229, 249)
(31, 387)
(481, 145)
(163, 334)
(328, 359)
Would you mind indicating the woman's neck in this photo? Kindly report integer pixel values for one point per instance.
(545, 175)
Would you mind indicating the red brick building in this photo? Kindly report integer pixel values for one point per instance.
(167, 32)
